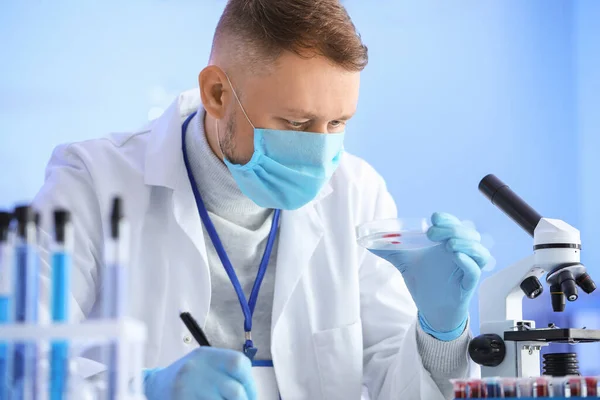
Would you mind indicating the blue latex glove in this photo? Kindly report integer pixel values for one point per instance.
(443, 278)
(207, 373)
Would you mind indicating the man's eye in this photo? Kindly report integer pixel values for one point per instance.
(337, 124)
(296, 124)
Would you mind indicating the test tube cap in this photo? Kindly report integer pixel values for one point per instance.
(115, 216)
(5, 218)
(25, 215)
(61, 218)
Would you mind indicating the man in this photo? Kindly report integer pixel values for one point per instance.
(202, 185)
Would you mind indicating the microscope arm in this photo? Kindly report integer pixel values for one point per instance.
(501, 296)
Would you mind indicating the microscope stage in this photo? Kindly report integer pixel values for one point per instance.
(555, 335)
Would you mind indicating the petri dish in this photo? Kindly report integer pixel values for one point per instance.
(395, 234)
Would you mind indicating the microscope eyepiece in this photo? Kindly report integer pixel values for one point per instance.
(508, 201)
(586, 283)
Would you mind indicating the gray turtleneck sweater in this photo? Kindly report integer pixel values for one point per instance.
(243, 228)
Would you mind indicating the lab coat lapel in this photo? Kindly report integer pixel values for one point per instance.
(165, 167)
(300, 233)
(186, 215)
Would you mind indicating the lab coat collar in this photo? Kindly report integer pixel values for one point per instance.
(164, 160)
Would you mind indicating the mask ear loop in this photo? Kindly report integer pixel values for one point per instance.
(242, 108)
(238, 101)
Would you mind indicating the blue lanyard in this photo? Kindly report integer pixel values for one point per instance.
(247, 306)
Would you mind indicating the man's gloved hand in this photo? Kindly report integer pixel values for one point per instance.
(443, 278)
(207, 373)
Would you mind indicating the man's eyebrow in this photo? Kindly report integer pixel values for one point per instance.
(298, 112)
(347, 116)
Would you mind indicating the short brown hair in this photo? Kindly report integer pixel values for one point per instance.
(304, 27)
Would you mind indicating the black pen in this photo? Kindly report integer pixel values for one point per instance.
(194, 328)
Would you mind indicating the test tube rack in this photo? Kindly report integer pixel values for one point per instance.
(128, 334)
(563, 387)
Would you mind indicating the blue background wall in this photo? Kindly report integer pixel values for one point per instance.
(587, 83)
(454, 90)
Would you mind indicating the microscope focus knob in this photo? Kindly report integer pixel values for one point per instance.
(532, 287)
(488, 350)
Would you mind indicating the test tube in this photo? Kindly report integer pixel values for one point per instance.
(541, 387)
(525, 387)
(509, 387)
(460, 388)
(493, 387)
(591, 384)
(115, 284)
(575, 386)
(476, 389)
(559, 387)
(6, 317)
(26, 292)
(61, 287)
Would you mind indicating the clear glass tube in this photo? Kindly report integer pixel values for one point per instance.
(591, 385)
(559, 387)
(460, 388)
(493, 387)
(525, 387)
(541, 387)
(576, 385)
(509, 387)
(114, 298)
(476, 389)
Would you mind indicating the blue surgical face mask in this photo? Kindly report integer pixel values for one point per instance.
(288, 168)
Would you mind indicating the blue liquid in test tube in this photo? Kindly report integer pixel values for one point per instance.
(61, 287)
(26, 302)
(6, 268)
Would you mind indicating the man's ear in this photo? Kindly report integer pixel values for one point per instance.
(214, 91)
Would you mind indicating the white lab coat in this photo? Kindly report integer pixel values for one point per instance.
(342, 319)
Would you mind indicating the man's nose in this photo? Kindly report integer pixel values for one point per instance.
(320, 127)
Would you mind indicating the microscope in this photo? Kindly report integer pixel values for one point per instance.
(508, 345)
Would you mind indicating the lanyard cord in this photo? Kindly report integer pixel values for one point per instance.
(247, 306)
